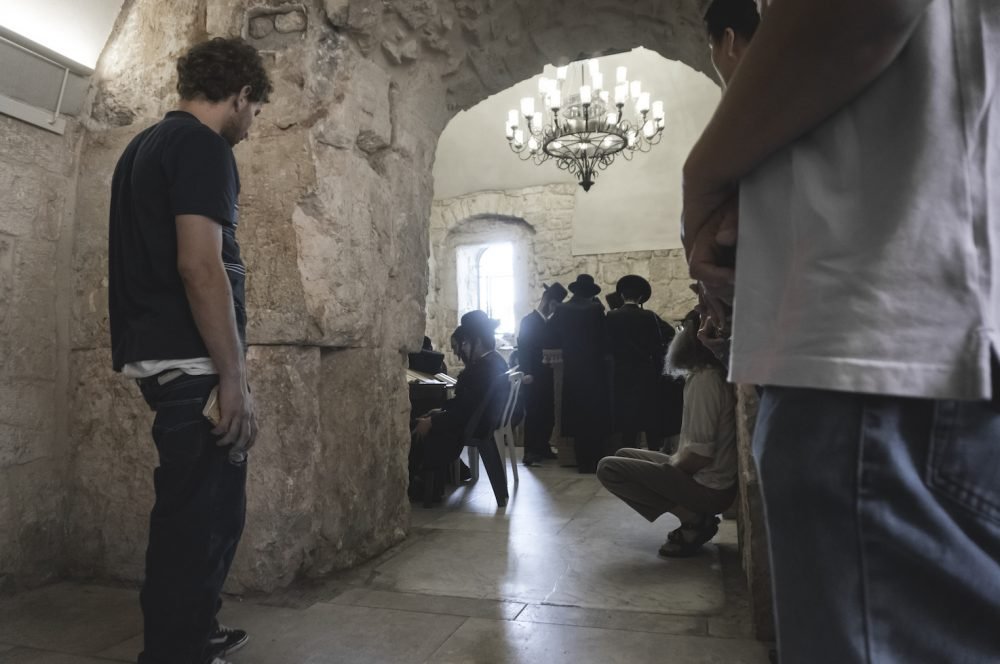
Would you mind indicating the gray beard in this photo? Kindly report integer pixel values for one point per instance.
(684, 354)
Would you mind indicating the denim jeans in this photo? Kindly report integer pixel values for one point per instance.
(194, 527)
(884, 527)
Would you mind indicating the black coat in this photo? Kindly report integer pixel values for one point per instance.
(539, 396)
(637, 339)
(637, 346)
(578, 328)
(530, 342)
(473, 386)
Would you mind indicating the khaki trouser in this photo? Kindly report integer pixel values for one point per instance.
(651, 486)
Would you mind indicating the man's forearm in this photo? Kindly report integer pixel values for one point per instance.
(211, 299)
(808, 59)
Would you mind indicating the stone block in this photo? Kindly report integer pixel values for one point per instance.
(114, 458)
(284, 488)
(33, 499)
(293, 21)
(337, 11)
(276, 173)
(365, 418)
(261, 26)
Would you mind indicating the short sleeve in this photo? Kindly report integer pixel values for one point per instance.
(703, 403)
(201, 172)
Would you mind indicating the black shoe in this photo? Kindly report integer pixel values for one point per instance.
(225, 640)
(531, 459)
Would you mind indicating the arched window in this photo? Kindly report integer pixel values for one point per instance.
(496, 284)
(486, 281)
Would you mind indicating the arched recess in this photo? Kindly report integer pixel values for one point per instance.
(335, 208)
(479, 228)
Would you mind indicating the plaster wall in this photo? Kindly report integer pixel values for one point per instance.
(37, 185)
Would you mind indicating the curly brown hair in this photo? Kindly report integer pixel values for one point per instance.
(218, 68)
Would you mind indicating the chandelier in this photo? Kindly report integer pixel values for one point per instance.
(586, 133)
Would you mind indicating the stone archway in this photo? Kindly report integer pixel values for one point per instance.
(336, 200)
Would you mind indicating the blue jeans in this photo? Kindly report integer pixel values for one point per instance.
(884, 527)
(194, 527)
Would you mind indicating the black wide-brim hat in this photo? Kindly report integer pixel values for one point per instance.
(477, 323)
(634, 284)
(584, 286)
(556, 291)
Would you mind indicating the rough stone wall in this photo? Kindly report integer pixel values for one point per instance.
(336, 196)
(538, 221)
(752, 526)
(37, 173)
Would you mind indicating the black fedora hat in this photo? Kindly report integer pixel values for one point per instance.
(556, 291)
(634, 287)
(476, 323)
(584, 286)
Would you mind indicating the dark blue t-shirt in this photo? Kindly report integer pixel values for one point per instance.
(177, 166)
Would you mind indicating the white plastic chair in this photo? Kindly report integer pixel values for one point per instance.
(504, 435)
(503, 440)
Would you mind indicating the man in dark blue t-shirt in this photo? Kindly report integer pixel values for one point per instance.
(178, 326)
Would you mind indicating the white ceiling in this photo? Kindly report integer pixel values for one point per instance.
(77, 29)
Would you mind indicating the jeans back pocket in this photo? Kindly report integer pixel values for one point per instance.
(964, 461)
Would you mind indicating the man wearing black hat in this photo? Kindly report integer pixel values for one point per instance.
(439, 436)
(578, 328)
(539, 399)
(638, 345)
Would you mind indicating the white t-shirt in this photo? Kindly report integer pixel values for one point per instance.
(869, 249)
(196, 366)
(708, 426)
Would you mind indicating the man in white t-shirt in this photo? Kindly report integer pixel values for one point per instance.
(699, 480)
(854, 162)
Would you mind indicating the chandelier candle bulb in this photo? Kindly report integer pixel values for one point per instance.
(621, 93)
(595, 68)
(612, 119)
(509, 131)
(518, 138)
(513, 119)
(562, 73)
(597, 80)
(536, 123)
(621, 75)
(555, 100)
(643, 104)
(658, 110)
(543, 84)
(528, 107)
(636, 88)
(584, 94)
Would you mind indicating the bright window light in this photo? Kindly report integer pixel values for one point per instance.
(496, 285)
(76, 29)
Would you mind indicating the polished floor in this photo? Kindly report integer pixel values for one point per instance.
(564, 574)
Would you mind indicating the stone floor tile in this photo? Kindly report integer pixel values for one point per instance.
(481, 641)
(454, 606)
(605, 558)
(329, 634)
(501, 522)
(633, 621)
(32, 656)
(70, 618)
